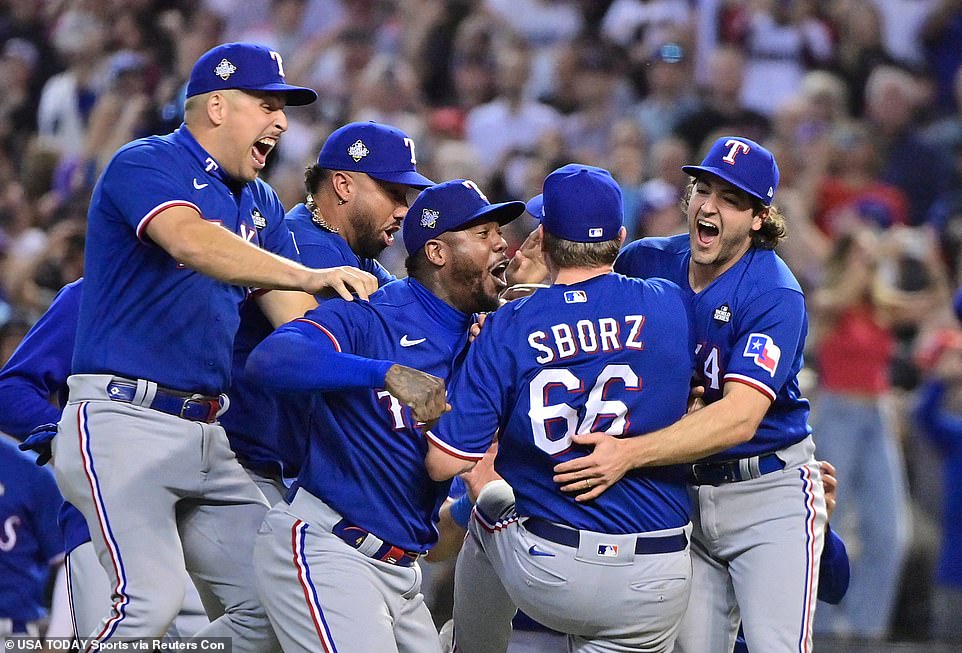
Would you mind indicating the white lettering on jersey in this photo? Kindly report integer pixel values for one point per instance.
(394, 407)
(547, 354)
(564, 340)
(609, 329)
(636, 322)
(589, 336)
(8, 539)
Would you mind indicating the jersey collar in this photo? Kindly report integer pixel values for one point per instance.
(445, 314)
(185, 139)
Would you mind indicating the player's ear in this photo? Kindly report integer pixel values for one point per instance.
(343, 184)
(216, 104)
(759, 219)
(434, 252)
(622, 234)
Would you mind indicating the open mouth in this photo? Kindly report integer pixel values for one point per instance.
(498, 272)
(389, 233)
(261, 149)
(707, 232)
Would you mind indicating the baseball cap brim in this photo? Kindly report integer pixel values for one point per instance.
(535, 206)
(502, 213)
(694, 171)
(297, 96)
(406, 177)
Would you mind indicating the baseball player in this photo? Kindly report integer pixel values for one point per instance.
(594, 352)
(36, 372)
(759, 517)
(179, 227)
(356, 197)
(30, 543)
(337, 568)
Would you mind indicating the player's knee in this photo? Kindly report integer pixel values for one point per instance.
(496, 499)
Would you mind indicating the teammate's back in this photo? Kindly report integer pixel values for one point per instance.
(607, 354)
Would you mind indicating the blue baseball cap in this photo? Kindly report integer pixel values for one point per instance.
(580, 203)
(448, 206)
(957, 304)
(247, 67)
(744, 164)
(380, 151)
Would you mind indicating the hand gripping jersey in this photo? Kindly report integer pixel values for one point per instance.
(750, 326)
(608, 354)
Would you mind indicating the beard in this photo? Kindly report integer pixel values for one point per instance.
(475, 292)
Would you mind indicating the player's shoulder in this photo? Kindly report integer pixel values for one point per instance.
(264, 192)
(646, 256)
(396, 295)
(677, 245)
(768, 272)
(148, 150)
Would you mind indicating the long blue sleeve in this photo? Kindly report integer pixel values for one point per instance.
(300, 358)
(39, 367)
(834, 570)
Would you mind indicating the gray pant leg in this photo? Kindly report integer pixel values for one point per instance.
(322, 594)
(88, 589)
(483, 610)
(218, 531)
(100, 463)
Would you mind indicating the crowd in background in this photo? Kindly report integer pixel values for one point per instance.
(860, 100)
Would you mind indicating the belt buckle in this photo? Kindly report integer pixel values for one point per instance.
(730, 472)
(210, 404)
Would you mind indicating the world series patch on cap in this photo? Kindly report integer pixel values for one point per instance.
(246, 67)
(450, 206)
(380, 151)
(744, 164)
(580, 203)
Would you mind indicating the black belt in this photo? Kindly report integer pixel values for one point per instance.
(358, 537)
(571, 537)
(732, 471)
(194, 407)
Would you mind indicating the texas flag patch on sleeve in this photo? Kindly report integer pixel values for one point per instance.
(761, 349)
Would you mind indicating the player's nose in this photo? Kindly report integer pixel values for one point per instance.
(280, 120)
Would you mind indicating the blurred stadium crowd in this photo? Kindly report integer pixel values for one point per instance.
(860, 100)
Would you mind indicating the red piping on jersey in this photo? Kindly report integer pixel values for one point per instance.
(752, 383)
(142, 225)
(337, 345)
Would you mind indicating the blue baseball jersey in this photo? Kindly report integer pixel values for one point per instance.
(608, 354)
(145, 315)
(319, 248)
(750, 326)
(37, 371)
(267, 428)
(30, 540)
(366, 451)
